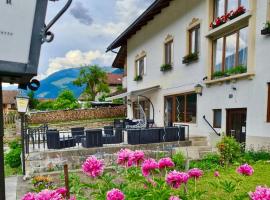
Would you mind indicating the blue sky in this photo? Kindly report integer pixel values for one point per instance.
(84, 32)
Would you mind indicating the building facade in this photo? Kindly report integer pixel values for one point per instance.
(204, 64)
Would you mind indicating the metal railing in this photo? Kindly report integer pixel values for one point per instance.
(218, 134)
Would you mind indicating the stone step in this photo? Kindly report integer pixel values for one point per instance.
(199, 143)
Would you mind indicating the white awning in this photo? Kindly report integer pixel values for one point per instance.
(134, 93)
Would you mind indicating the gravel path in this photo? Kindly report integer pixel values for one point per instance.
(11, 186)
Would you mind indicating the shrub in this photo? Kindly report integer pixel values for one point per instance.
(14, 144)
(46, 105)
(229, 149)
(254, 156)
(179, 160)
(13, 158)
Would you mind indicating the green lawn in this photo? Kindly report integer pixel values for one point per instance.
(12, 171)
(243, 184)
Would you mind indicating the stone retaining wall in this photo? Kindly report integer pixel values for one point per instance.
(74, 115)
(39, 162)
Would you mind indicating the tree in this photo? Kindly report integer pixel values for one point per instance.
(95, 80)
(33, 102)
(66, 100)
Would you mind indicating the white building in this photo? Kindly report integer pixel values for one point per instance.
(231, 62)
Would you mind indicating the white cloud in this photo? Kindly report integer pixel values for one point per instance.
(77, 58)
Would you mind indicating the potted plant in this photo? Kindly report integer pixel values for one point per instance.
(165, 67)
(138, 78)
(266, 29)
(239, 11)
(218, 74)
(190, 58)
(237, 70)
(219, 21)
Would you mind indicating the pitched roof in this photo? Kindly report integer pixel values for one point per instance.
(142, 20)
(9, 96)
(114, 79)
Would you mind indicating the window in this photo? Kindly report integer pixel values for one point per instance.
(217, 118)
(183, 108)
(141, 66)
(231, 51)
(268, 106)
(223, 7)
(168, 51)
(194, 40)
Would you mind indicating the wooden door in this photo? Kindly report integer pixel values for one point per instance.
(236, 124)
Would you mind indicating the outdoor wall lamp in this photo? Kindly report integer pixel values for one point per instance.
(22, 102)
(198, 89)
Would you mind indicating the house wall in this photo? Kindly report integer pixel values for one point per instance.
(250, 94)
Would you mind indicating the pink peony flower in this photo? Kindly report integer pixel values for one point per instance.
(93, 167)
(165, 163)
(245, 170)
(115, 194)
(72, 198)
(195, 173)
(216, 174)
(62, 191)
(29, 196)
(261, 193)
(175, 179)
(49, 195)
(124, 157)
(136, 157)
(149, 165)
(174, 198)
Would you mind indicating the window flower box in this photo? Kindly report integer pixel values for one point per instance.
(234, 71)
(266, 29)
(229, 16)
(190, 58)
(138, 78)
(239, 11)
(165, 67)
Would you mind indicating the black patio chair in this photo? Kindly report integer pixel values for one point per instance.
(93, 138)
(116, 138)
(55, 142)
(133, 136)
(150, 135)
(77, 133)
(108, 130)
(169, 134)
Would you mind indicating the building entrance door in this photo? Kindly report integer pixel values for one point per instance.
(236, 124)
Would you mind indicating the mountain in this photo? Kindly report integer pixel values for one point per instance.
(61, 80)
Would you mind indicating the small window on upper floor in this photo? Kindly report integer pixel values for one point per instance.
(168, 50)
(194, 40)
(223, 7)
(140, 66)
(217, 118)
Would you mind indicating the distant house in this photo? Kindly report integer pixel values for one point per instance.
(9, 100)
